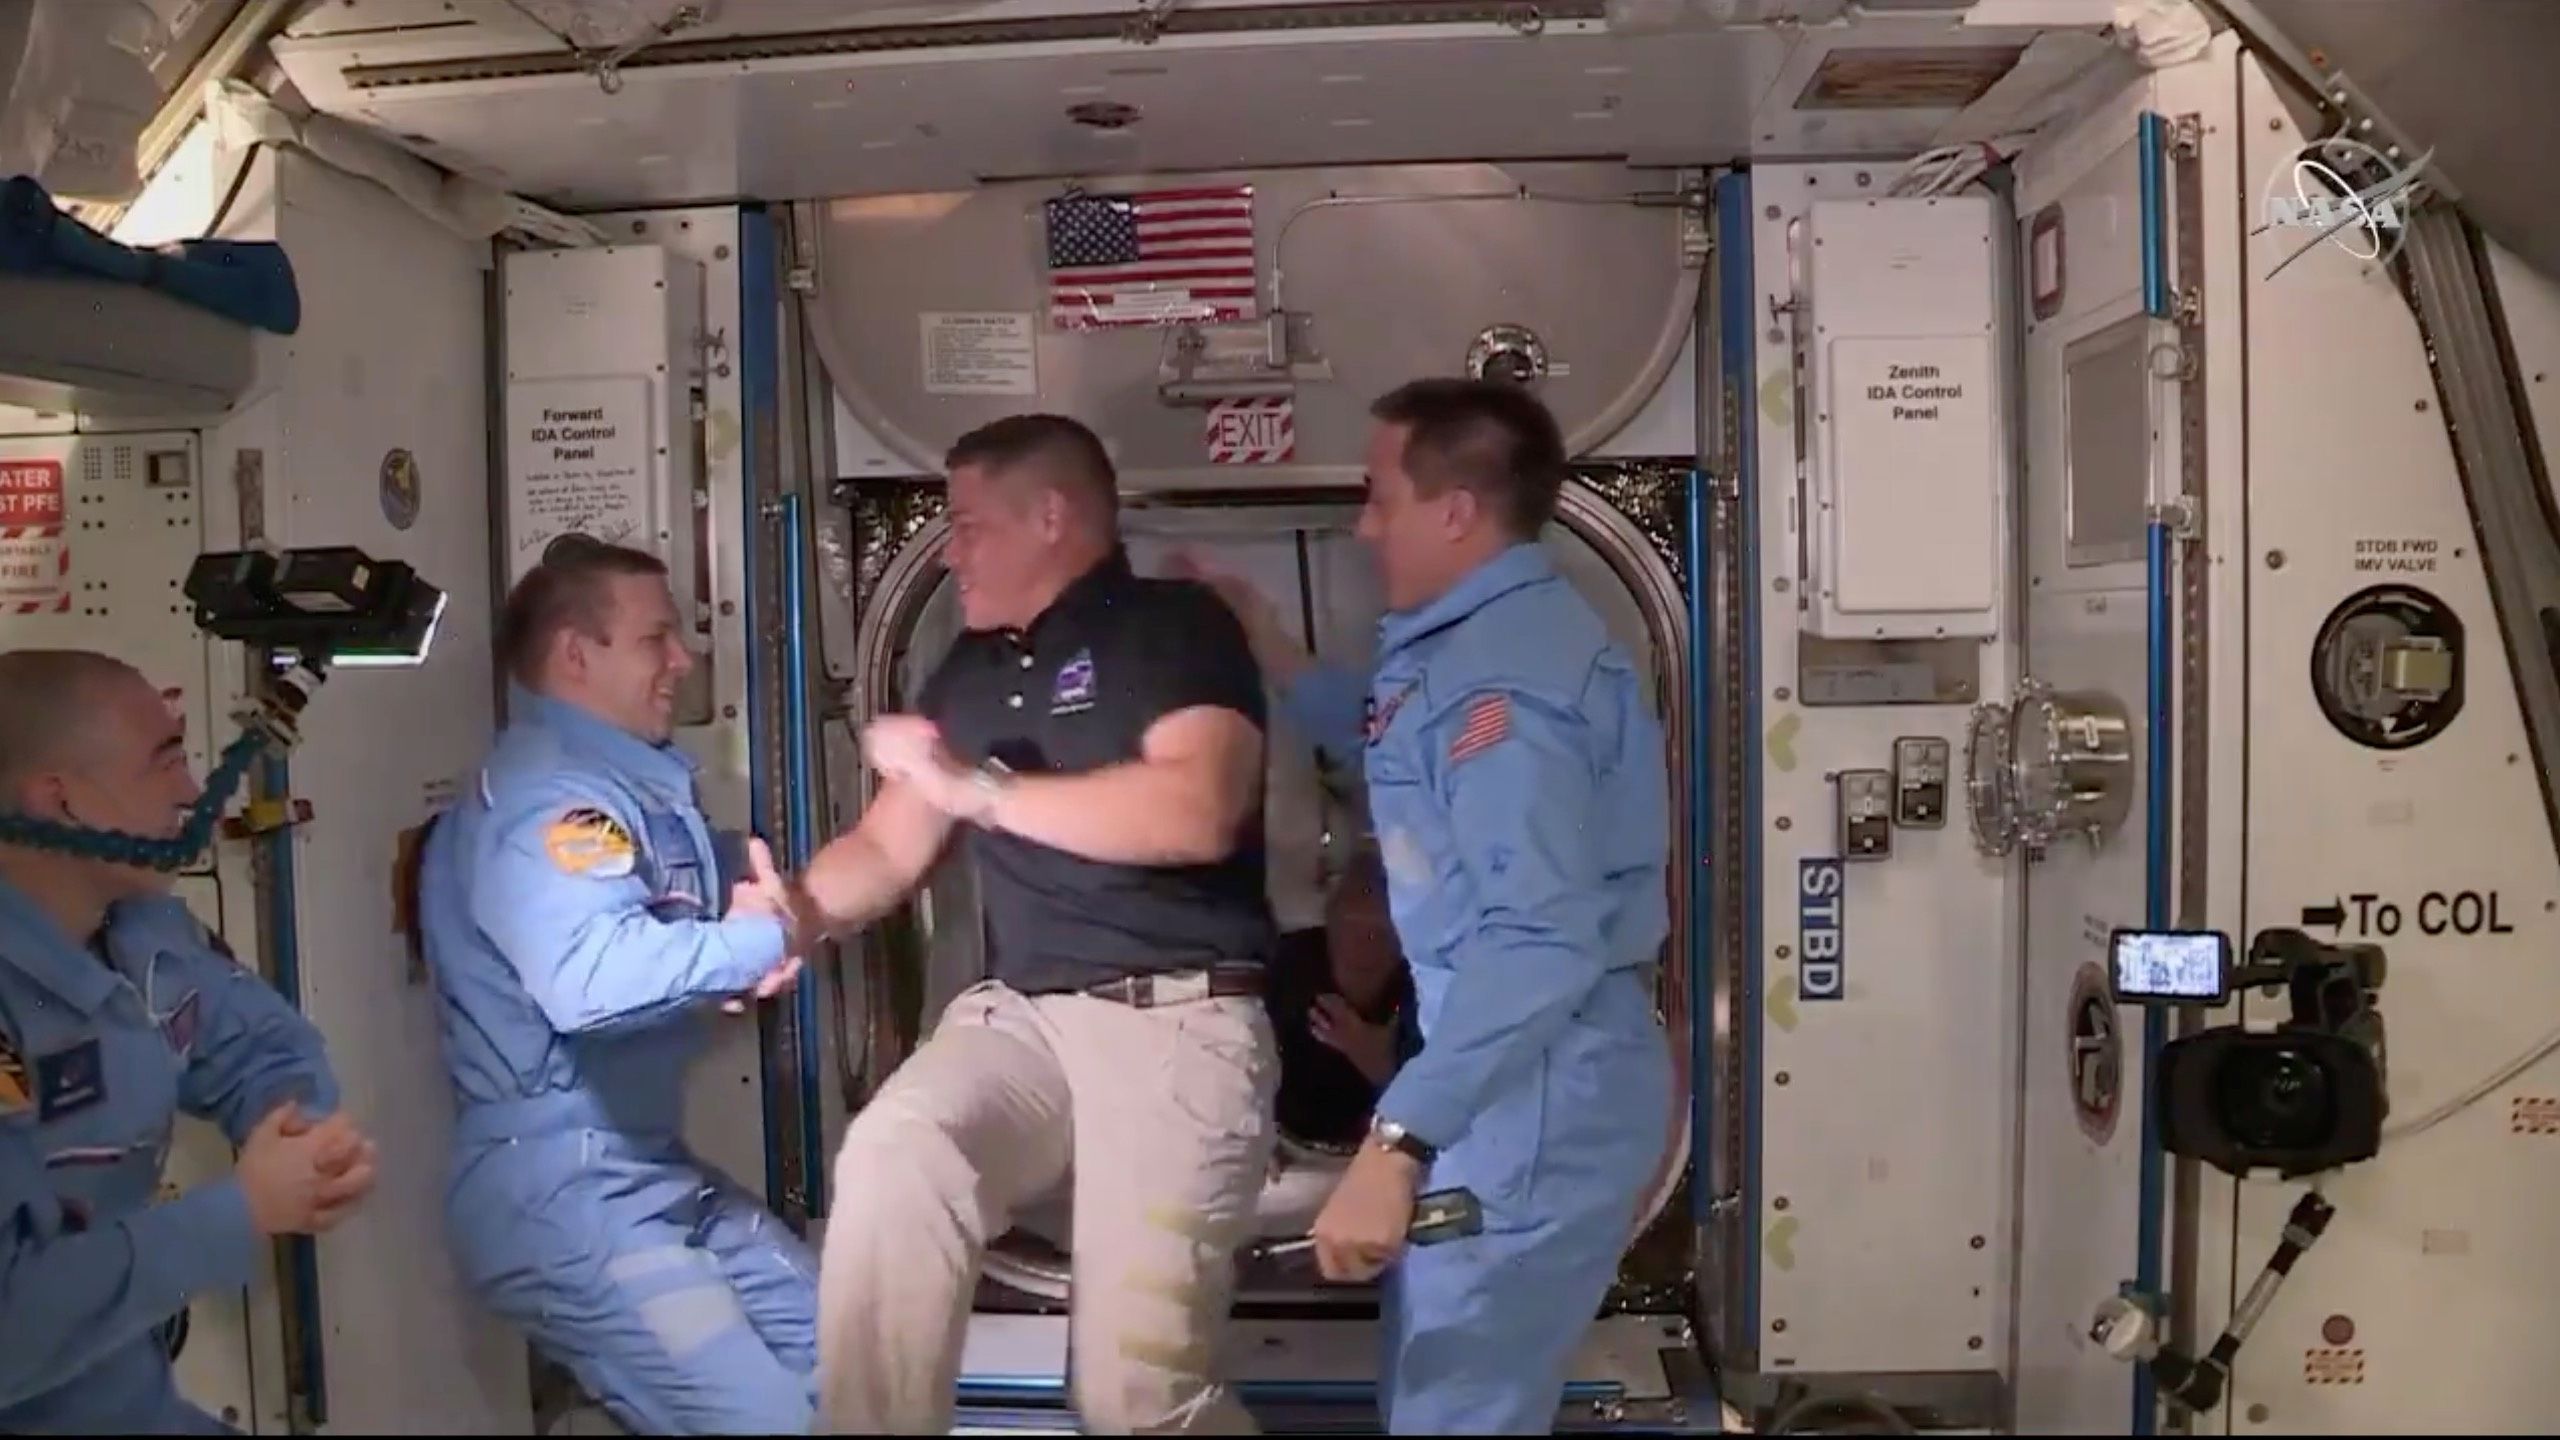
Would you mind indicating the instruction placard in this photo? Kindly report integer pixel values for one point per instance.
(578, 463)
(35, 553)
(979, 353)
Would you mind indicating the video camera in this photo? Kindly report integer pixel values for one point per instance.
(2302, 1098)
(326, 606)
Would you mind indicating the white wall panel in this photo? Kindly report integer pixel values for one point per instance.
(1887, 1115)
(724, 1108)
(390, 355)
(2424, 1306)
(2086, 631)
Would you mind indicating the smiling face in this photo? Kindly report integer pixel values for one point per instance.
(628, 662)
(1005, 536)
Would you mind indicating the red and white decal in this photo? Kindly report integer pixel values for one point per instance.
(35, 555)
(1259, 431)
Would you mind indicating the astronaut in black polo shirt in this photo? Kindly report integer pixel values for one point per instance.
(1098, 739)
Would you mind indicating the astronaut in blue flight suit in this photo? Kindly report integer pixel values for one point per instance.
(118, 1011)
(571, 904)
(1518, 785)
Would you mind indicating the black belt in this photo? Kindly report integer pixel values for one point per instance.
(1180, 987)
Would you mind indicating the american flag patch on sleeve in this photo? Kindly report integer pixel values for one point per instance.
(1487, 724)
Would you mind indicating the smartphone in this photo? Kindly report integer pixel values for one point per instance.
(2170, 967)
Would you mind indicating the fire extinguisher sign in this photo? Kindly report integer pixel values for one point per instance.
(35, 554)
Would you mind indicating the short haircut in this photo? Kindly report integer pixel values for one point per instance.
(49, 695)
(1490, 436)
(1067, 455)
(569, 588)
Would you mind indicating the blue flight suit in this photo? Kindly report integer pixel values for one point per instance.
(1519, 789)
(571, 904)
(97, 1058)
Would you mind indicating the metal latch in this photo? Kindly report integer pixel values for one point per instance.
(2419, 666)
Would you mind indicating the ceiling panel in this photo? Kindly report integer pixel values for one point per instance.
(906, 120)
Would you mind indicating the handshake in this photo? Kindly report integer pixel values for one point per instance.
(907, 749)
(766, 891)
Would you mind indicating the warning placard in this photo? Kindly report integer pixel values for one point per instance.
(35, 554)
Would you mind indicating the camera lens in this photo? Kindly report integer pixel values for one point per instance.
(2276, 1099)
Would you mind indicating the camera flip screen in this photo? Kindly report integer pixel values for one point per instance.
(2179, 967)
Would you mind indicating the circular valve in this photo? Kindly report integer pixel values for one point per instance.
(2387, 667)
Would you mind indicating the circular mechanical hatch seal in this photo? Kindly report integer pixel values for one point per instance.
(2096, 1054)
(2387, 667)
(1508, 352)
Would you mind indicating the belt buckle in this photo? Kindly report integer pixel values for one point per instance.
(1141, 992)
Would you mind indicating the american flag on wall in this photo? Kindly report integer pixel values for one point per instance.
(1158, 257)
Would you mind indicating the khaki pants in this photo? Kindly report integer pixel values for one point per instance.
(1162, 1117)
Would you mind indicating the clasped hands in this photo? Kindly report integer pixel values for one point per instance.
(302, 1176)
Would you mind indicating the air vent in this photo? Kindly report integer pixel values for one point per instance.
(1940, 78)
(1103, 115)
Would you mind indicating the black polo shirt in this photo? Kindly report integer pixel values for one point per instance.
(1075, 693)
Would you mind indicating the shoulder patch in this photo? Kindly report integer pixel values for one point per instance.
(587, 841)
(1487, 723)
(14, 1096)
(1376, 717)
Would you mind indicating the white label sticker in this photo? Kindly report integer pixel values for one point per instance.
(979, 354)
(578, 463)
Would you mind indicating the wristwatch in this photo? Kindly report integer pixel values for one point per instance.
(989, 780)
(1388, 1135)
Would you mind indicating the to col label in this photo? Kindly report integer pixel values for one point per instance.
(1821, 931)
(2437, 912)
